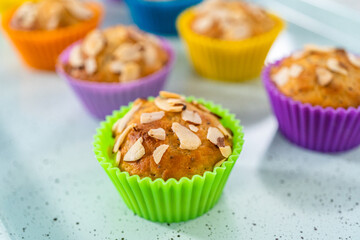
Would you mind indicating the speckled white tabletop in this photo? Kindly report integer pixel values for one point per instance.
(52, 187)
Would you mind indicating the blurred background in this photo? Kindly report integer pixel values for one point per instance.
(51, 186)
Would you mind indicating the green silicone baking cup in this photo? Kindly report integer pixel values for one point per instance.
(172, 200)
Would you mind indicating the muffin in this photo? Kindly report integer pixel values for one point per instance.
(49, 15)
(41, 30)
(169, 129)
(114, 66)
(323, 76)
(166, 12)
(169, 150)
(116, 54)
(228, 40)
(230, 20)
(315, 97)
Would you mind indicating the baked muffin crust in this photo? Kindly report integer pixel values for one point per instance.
(50, 14)
(230, 20)
(116, 54)
(323, 76)
(157, 141)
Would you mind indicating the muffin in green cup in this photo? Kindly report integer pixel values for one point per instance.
(169, 157)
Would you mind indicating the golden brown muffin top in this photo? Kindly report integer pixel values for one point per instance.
(323, 76)
(116, 54)
(50, 14)
(170, 138)
(230, 20)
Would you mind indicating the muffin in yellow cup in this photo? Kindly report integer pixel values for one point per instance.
(41, 30)
(228, 40)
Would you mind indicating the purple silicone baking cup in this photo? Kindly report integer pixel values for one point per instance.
(100, 99)
(313, 127)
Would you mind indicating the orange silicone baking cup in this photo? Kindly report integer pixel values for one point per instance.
(40, 49)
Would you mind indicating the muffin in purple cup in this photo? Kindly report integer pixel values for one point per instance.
(112, 67)
(315, 96)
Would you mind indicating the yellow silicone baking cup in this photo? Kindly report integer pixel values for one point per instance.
(40, 49)
(227, 60)
(8, 4)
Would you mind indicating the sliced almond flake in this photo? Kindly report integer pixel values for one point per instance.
(219, 163)
(128, 52)
(200, 106)
(79, 10)
(120, 139)
(315, 48)
(191, 116)
(136, 34)
(203, 24)
(224, 131)
(225, 151)
(26, 14)
(170, 105)
(188, 139)
(120, 124)
(54, 13)
(76, 59)
(159, 152)
(324, 76)
(90, 66)
(54, 20)
(115, 125)
(193, 128)
(150, 54)
(135, 152)
(116, 67)
(215, 136)
(238, 32)
(24, 9)
(116, 34)
(158, 133)
(354, 60)
(295, 70)
(175, 101)
(334, 65)
(130, 72)
(281, 77)
(224, 15)
(93, 43)
(118, 158)
(151, 117)
(166, 94)
(205, 109)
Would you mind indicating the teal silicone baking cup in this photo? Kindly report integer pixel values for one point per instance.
(172, 200)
